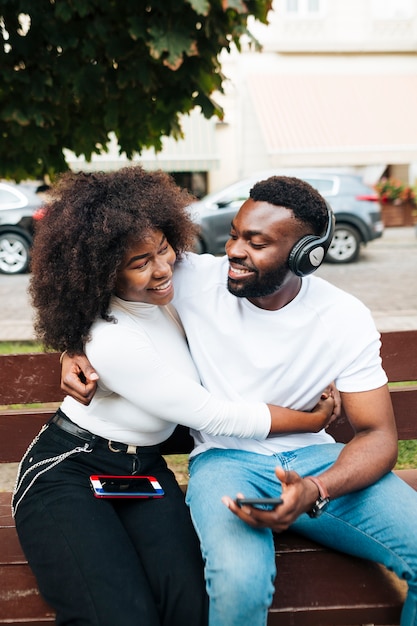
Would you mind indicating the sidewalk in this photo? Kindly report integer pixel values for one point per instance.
(384, 278)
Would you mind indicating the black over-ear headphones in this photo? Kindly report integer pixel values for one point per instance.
(308, 253)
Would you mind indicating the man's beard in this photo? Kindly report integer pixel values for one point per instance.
(259, 287)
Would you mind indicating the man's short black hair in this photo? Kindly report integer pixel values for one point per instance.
(293, 193)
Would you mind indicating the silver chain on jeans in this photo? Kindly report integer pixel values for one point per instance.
(53, 461)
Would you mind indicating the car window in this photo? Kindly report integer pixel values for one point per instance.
(326, 186)
(238, 193)
(9, 199)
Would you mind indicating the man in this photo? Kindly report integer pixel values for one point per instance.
(276, 334)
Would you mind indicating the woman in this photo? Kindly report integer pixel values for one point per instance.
(101, 281)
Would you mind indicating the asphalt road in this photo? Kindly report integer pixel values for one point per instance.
(384, 278)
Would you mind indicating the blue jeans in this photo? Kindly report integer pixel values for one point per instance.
(107, 562)
(378, 523)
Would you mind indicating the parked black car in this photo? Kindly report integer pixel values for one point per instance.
(17, 206)
(355, 205)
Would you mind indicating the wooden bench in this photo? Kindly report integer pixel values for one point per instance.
(316, 586)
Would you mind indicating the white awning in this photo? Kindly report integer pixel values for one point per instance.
(345, 119)
(195, 153)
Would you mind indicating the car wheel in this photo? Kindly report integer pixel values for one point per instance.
(345, 245)
(14, 253)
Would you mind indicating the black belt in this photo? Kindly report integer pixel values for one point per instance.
(64, 423)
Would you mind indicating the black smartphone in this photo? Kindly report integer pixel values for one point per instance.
(260, 503)
(126, 487)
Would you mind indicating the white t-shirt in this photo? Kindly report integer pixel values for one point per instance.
(284, 357)
(148, 383)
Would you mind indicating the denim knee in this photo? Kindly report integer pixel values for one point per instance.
(240, 592)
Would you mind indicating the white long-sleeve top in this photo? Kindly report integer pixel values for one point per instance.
(149, 384)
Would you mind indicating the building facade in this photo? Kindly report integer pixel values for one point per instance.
(334, 86)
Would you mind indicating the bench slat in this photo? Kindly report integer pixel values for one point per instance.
(25, 425)
(404, 401)
(11, 551)
(20, 601)
(27, 378)
(36, 377)
(305, 596)
(399, 355)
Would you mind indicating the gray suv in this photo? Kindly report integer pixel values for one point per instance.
(355, 205)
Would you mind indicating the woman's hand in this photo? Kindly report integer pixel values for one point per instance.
(335, 393)
(323, 413)
(78, 377)
(327, 409)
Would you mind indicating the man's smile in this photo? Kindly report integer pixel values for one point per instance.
(238, 271)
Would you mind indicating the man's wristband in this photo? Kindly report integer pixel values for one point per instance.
(322, 501)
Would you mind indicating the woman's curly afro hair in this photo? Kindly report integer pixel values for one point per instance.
(89, 221)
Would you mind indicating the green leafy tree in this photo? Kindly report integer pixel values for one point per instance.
(72, 71)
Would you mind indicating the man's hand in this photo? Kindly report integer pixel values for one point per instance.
(298, 496)
(78, 378)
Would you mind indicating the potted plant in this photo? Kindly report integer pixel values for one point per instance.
(398, 202)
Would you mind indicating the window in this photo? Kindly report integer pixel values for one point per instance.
(196, 182)
(304, 8)
(325, 186)
(11, 199)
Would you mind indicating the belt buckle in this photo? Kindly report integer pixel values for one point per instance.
(129, 448)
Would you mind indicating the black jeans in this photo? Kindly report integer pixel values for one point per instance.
(107, 562)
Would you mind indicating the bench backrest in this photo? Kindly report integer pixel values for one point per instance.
(399, 358)
(35, 378)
